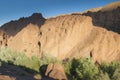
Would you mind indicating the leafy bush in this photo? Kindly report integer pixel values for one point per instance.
(47, 58)
(85, 69)
(76, 69)
(113, 70)
(11, 56)
(101, 76)
(81, 69)
(116, 75)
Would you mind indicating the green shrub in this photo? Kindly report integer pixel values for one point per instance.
(76, 69)
(85, 69)
(11, 56)
(116, 75)
(81, 69)
(47, 58)
(68, 67)
(101, 76)
(113, 69)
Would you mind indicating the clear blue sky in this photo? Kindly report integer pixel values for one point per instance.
(14, 9)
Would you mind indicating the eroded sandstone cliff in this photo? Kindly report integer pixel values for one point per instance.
(92, 34)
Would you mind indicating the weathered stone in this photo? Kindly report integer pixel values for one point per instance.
(68, 36)
(4, 77)
(55, 71)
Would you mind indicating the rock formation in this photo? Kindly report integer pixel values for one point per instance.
(22, 34)
(56, 72)
(93, 33)
(76, 36)
(107, 17)
(4, 77)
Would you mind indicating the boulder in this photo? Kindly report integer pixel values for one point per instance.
(4, 77)
(55, 71)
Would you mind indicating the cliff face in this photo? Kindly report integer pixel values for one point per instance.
(76, 36)
(67, 36)
(107, 17)
(13, 27)
(63, 33)
(23, 34)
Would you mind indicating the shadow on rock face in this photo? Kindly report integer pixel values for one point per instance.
(53, 72)
(13, 27)
(109, 19)
(106, 19)
(13, 72)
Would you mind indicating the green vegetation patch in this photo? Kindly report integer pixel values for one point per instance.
(75, 69)
(85, 69)
(10, 56)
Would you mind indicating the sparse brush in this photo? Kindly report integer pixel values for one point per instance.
(76, 69)
(85, 69)
(11, 56)
(47, 58)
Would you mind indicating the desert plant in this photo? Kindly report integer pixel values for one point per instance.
(113, 69)
(81, 69)
(11, 56)
(101, 76)
(85, 69)
(47, 58)
(76, 69)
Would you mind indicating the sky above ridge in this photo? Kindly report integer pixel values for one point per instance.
(14, 9)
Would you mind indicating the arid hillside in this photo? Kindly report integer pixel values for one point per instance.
(92, 34)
